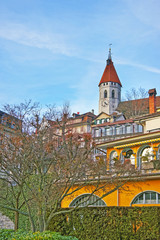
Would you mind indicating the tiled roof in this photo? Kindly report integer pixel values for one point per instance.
(138, 107)
(110, 75)
(157, 114)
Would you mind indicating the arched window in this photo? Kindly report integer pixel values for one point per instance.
(113, 157)
(148, 197)
(144, 154)
(87, 200)
(127, 154)
(113, 94)
(105, 94)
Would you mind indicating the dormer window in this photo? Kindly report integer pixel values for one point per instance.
(107, 120)
(95, 122)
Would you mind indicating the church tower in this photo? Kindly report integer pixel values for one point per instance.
(109, 88)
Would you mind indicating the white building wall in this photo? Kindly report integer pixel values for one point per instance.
(112, 103)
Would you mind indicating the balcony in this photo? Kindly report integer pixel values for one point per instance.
(101, 139)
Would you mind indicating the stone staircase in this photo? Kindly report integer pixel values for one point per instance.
(5, 222)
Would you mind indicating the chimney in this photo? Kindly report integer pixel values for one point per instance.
(93, 111)
(152, 100)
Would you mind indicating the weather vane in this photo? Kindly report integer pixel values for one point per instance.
(110, 48)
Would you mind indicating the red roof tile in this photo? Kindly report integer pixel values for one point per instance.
(110, 75)
(137, 107)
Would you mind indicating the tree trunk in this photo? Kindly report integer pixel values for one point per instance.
(16, 224)
(17, 213)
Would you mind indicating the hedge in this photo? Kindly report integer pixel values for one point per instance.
(21, 235)
(110, 223)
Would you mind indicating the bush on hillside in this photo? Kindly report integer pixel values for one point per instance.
(21, 235)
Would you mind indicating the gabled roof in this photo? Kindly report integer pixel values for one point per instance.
(110, 74)
(138, 107)
(89, 114)
(102, 113)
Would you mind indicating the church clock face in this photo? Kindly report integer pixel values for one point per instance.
(104, 103)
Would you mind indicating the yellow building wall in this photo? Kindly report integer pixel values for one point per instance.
(122, 197)
(135, 188)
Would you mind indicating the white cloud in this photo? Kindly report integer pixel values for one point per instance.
(42, 40)
(144, 67)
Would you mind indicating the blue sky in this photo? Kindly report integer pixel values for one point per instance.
(52, 51)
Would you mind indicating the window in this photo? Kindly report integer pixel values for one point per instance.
(114, 83)
(103, 84)
(158, 153)
(118, 130)
(113, 157)
(108, 131)
(113, 94)
(107, 120)
(87, 199)
(119, 96)
(105, 94)
(140, 128)
(128, 129)
(148, 197)
(96, 132)
(144, 153)
(147, 154)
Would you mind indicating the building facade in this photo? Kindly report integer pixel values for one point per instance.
(141, 153)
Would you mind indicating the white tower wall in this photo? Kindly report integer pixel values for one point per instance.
(109, 104)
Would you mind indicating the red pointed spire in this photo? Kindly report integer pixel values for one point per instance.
(110, 74)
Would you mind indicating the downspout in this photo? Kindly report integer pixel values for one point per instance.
(117, 197)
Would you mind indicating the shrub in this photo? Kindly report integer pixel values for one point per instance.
(110, 223)
(21, 235)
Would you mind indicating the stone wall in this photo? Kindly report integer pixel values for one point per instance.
(5, 222)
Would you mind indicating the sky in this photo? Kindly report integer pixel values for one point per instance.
(55, 51)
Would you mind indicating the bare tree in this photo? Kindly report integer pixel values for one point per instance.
(135, 103)
(48, 163)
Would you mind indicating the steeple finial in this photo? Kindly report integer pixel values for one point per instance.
(109, 55)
